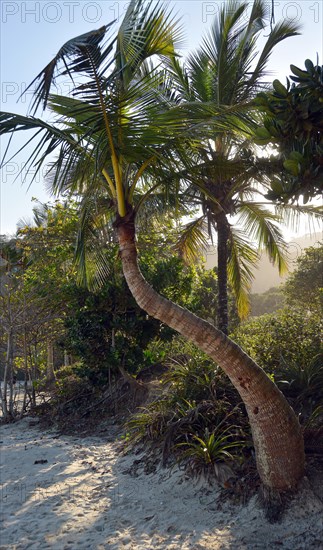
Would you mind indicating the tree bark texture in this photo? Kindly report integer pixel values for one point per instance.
(222, 249)
(7, 393)
(50, 375)
(276, 431)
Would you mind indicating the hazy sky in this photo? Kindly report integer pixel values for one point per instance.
(32, 33)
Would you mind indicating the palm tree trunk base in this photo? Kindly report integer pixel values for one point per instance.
(275, 502)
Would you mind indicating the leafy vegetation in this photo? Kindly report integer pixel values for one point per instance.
(305, 285)
(197, 419)
(208, 455)
(294, 123)
(289, 336)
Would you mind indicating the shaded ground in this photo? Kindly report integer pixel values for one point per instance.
(61, 492)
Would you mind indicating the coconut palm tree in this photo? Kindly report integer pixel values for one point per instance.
(224, 175)
(117, 126)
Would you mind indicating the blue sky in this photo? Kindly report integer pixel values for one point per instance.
(32, 32)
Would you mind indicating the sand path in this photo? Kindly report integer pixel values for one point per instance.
(87, 496)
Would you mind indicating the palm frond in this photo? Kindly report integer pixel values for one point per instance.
(292, 215)
(92, 265)
(241, 265)
(262, 227)
(146, 30)
(179, 78)
(230, 49)
(49, 138)
(280, 32)
(76, 55)
(192, 240)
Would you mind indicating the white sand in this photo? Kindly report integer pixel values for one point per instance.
(85, 498)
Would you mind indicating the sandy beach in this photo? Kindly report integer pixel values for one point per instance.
(69, 492)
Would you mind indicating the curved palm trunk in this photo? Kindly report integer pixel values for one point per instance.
(223, 236)
(276, 432)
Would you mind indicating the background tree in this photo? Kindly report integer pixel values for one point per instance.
(288, 343)
(304, 287)
(267, 302)
(224, 174)
(11, 312)
(293, 123)
(48, 246)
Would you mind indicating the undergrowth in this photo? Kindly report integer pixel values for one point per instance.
(198, 420)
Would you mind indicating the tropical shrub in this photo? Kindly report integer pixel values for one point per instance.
(105, 327)
(288, 346)
(288, 337)
(303, 385)
(197, 404)
(209, 453)
(305, 285)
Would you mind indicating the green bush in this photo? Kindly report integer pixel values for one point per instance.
(303, 386)
(70, 382)
(287, 345)
(288, 337)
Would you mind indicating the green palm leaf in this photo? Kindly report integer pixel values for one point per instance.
(95, 218)
(242, 260)
(291, 215)
(76, 55)
(192, 240)
(261, 226)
